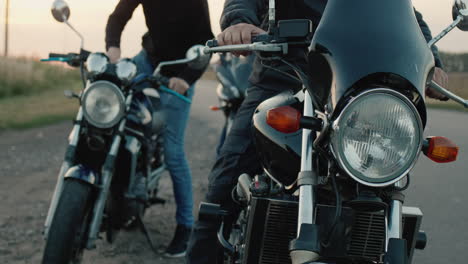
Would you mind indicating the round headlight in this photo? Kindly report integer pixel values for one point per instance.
(103, 104)
(97, 63)
(378, 137)
(126, 70)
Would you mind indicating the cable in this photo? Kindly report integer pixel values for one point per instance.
(282, 72)
(337, 211)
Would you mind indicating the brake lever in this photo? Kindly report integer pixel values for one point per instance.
(449, 94)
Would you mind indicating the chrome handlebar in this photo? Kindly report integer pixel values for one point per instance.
(257, 46)
(449, 94)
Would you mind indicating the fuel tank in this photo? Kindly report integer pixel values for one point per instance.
(279, 152)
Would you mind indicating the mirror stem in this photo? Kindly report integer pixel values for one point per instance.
(445, 31)
(271, 15)
(78, 33)
(174, 62)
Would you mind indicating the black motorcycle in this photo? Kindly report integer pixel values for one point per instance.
(337, 197)
(114, 159)
(233, 74)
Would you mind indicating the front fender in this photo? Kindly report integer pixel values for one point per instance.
(82, 173)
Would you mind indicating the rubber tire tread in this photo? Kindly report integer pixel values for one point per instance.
(69, 216)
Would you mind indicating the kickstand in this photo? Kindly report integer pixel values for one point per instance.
(145, 231)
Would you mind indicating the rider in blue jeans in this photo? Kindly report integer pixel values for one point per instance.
(176, 114)
(173, 27)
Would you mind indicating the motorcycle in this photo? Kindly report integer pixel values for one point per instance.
(338, 196)
(114, 159)
(232, 73)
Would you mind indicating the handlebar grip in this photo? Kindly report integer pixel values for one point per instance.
(57, 55)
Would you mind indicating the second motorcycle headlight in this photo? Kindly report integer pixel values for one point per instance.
(103, 104)
(378, 137)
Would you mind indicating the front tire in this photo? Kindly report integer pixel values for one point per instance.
(67, 233)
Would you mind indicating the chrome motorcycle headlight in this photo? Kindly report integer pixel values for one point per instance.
(126, 70)
(97, 63)
(377, 138)
(103, 104)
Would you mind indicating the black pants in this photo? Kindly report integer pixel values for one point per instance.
(237, 156)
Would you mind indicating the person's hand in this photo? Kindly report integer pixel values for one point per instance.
(114, 54)
(239, 34)
(441, 78)
(179, 85)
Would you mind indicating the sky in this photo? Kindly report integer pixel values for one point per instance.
(33, 31)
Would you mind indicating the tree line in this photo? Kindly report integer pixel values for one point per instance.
(454, 62)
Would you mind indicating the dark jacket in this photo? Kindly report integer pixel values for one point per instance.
(174, 26)
(255, 12)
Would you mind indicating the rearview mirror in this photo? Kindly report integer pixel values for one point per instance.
(198, 59)
(460, 8)
(60, 11)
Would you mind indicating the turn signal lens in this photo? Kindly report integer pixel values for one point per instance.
(214, 108)
(284, 119)
(441, 149)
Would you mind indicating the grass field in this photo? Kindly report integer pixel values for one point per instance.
(31, 93)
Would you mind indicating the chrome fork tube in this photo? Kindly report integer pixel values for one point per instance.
(306, 192)
(72, 143)
(395, 228)
(306, 180)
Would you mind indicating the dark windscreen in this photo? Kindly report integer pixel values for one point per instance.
(362, 37)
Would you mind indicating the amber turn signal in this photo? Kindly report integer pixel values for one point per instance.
(440, 149)
(214, 108)
(284, 119)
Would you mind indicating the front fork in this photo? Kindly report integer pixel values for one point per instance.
(306, 247)
(396, 247)
(69, 156)
(107, 173)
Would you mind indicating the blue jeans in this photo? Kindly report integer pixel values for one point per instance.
(176, 114)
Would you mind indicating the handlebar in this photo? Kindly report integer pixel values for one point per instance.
(259, 38)
(257, 46)
(159, 80)
(262, 43)
(72, 59)
(449, 94)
